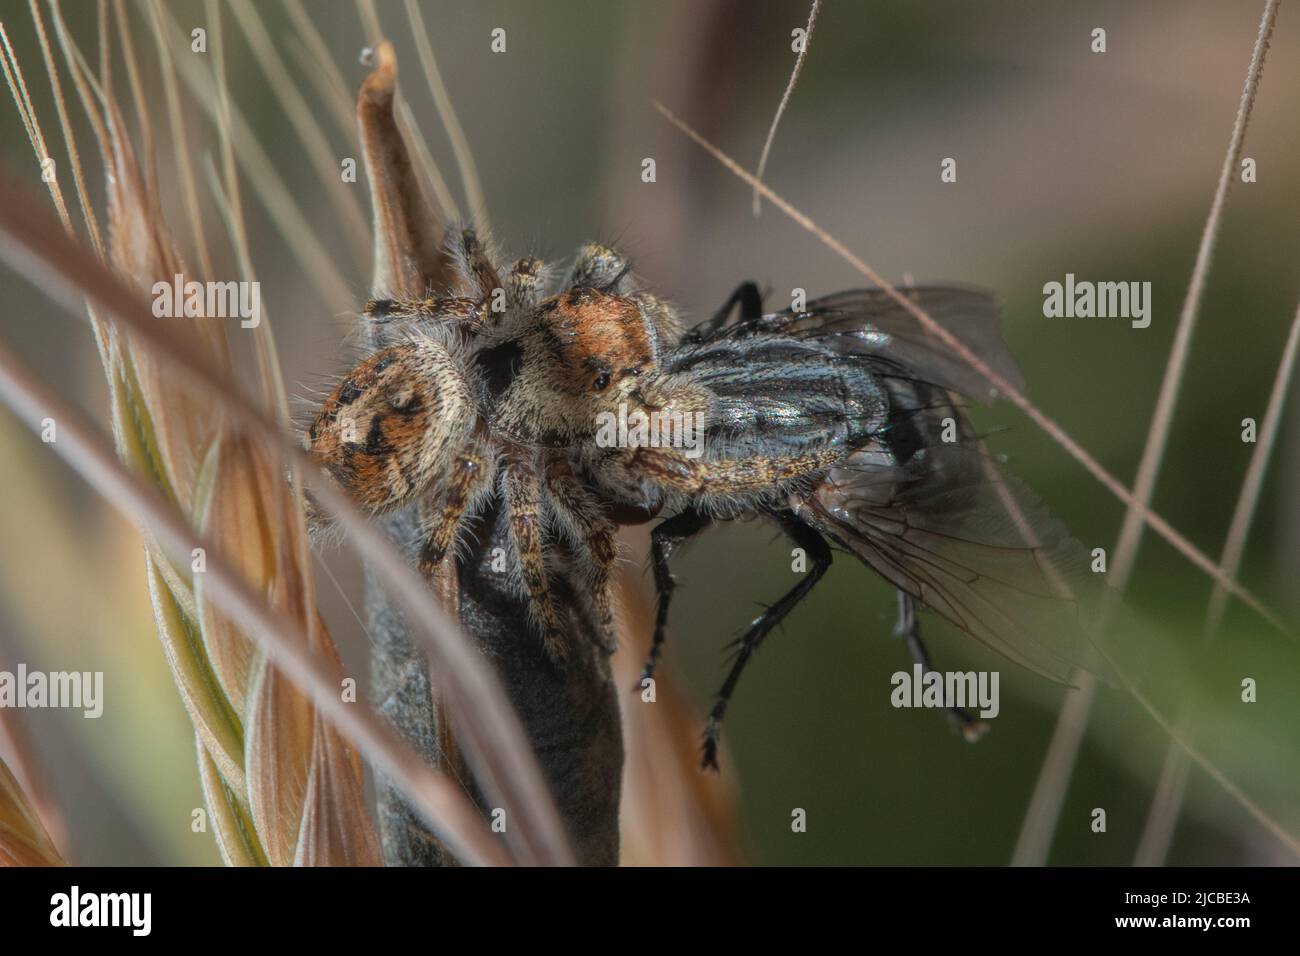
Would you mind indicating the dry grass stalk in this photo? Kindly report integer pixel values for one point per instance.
(1158, 832)
(450, 121)
(761, 168)
(1067, 738)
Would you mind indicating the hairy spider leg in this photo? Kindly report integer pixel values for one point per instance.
(584, 520)
(671, 469)
(525, 286)
(600, 267)
(522, 491)
(478, 265)
(469, 477)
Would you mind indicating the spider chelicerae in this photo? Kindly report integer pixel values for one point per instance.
(838, 421)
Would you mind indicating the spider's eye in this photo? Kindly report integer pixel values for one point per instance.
(602, 380)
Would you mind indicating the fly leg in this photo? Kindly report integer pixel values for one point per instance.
(666, 537)
(820, 552)
(751, 307)
(909, 628)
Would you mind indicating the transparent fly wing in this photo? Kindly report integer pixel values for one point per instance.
(973, 545)
(871, 322)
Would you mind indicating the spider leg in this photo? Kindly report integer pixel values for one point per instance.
(525, 286)
(672, 469)
(436, 308)
(751, 307)
(600, 267)
(664, 540)
(478, 266)
(909, 628)
(469, 477)
(820, 552)
(523, 498)
(586, 524)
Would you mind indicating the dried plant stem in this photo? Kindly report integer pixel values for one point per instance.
(304, 123)
(61, 107)
(176, 119)
(18, 87)
(370, 20)
(14, 78)
(137, 93)
(1158, 832)
(785, 100)
(299, 236)
(321, 66)
(1040, 418)
(493, 740)
(1053, 780)
(450, 121)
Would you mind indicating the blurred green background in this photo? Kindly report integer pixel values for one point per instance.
(1102, 165)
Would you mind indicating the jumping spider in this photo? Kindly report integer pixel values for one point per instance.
(838, 422)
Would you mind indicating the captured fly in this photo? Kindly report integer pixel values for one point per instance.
(850, 412)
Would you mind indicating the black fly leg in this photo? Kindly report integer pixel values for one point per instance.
(820, 552)
(751, 307)
(664, 539)
(909, 628)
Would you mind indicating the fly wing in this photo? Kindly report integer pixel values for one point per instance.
(871, 322)
(970, 543)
